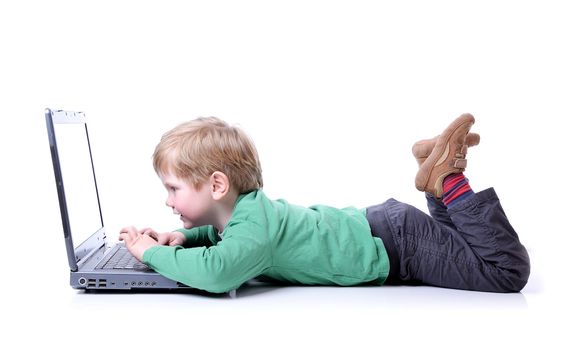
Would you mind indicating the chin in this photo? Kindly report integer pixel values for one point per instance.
(187, 225)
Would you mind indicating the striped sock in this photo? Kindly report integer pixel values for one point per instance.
(456, 188)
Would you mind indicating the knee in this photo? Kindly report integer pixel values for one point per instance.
(515, 279)
(521, 271)
(522, 275)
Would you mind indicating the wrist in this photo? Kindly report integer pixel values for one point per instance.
(141, 245)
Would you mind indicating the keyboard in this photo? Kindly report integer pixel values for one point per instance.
(122, 259)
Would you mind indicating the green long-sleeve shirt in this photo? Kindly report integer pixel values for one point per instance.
(319, 245)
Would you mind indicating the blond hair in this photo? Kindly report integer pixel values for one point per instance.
(194, 150)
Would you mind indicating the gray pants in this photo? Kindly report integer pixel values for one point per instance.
(471, 246)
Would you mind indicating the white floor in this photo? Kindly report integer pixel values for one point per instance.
(281, 317)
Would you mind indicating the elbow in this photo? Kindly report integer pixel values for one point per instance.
(214, 282)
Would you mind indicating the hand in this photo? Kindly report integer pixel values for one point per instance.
(165, 238)
(136, 242)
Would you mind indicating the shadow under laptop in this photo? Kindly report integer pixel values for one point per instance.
(186, 291)
(248, 289)
(392, 297)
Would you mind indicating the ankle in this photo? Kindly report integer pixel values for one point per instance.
(455, 189)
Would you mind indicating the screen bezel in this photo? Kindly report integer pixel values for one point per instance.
(96, 240)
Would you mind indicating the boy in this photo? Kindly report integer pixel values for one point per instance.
(233, 232)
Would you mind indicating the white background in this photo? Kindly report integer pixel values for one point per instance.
(333, 93)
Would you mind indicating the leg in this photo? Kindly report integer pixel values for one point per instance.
(438, 210)
(489, 257)
(483, 223)
(468, 243)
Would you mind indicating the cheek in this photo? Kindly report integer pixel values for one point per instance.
(180, 204)
(190, 209)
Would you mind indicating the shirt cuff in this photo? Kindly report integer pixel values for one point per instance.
(149, 253)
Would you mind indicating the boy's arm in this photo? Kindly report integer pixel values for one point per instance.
(138, 241)
(244, 253)
(197, 236)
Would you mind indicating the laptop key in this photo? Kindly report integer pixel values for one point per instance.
(123, 259)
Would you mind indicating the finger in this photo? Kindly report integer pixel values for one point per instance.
(153, 234)
(123, 236)
(145, 231)
(150, 233)
(129, 229)
(130, 236)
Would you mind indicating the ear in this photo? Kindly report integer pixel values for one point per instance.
(219, 185)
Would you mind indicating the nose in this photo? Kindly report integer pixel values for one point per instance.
(169, 202)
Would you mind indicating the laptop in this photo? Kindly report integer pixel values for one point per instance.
(95, 264)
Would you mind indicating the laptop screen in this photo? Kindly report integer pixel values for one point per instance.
(76, 183)
(79, 183)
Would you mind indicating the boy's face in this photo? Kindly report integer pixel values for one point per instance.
(194, 206)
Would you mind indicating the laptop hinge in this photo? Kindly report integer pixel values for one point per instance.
(83, 260)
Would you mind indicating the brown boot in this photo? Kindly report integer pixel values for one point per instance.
(422, 149)
(447, 157)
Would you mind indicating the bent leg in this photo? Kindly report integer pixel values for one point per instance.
(438, 210)
(484, 225)
(480, 251)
